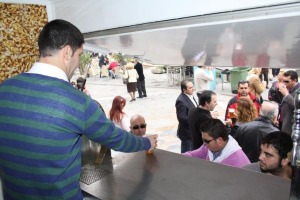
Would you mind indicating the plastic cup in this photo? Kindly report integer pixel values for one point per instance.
(231, 112)
(149, 152)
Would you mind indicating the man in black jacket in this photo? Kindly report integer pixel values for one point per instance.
(198, 115)
(141, 80)
(249, 135)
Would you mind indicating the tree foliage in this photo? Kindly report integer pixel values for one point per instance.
(85, 58)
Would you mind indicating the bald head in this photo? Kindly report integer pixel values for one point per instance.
(269, 110)
(138, 125)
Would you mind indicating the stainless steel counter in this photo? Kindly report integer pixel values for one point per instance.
(166, 175)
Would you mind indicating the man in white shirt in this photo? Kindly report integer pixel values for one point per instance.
(184, 103)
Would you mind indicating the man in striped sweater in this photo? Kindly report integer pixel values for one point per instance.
(42, 119)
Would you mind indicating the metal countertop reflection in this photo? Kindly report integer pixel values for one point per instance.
(166, 175)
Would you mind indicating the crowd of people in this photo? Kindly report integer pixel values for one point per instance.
(44, 116)
(253, 130)
(132, 72)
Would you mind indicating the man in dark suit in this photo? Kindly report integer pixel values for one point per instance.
(184, 103)
(141, 80)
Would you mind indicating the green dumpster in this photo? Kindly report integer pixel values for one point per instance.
(238, 74)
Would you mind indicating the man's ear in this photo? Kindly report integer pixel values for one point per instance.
(206, 104)
(67, 52)
(274, 120)
(219, 141)
(285, 162)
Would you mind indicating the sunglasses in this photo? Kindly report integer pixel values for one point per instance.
(286, 81)
(207, 141)
(139, 126)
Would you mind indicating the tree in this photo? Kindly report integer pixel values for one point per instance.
(85, 59)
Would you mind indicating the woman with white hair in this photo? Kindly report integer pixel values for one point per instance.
(131, 74)
(274, 93)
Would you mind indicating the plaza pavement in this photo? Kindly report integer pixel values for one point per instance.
(158, 108)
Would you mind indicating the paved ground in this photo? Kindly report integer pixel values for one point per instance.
(158, 108)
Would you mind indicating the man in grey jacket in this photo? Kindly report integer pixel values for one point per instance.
(249, 135)
(288, 90)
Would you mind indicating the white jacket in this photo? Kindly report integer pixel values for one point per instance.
(132, 75)
(202, 79)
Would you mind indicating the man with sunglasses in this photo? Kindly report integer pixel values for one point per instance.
(243, 91)
(218, 146)
(138, 125)
(288, 90)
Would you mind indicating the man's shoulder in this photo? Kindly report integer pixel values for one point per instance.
(197, 111)
(248, 125)
(200, 111)
(296, 89)
(180, 98)
(138, 65)
(192, 111)
(233, 100)
(259, 124)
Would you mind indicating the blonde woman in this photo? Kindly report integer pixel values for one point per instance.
(132, 76)
(245, 112)
(256, 87)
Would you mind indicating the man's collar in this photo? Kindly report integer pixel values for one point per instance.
(264, 119)
(48, 70)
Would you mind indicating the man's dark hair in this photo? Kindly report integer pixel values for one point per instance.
(58, 34)
(205, 96)
(293, 75)
(183, 84)
(281, 141)
(215, 128)
(242, 82)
